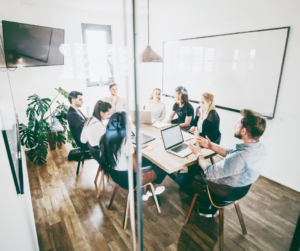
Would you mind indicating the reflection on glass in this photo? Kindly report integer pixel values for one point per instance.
(252, 53)
(236, 54)
(185, 56)
(66, 50)
(208, 66)
(209, 53)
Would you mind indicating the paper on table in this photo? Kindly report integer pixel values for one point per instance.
(188, 136)
(159, 124)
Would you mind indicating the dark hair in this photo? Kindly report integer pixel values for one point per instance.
(112, 85)
(73, 94)
(184, 97)
(254, 123)
(113, 140)
(100, 106)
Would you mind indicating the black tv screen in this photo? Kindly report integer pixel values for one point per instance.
(31, 45)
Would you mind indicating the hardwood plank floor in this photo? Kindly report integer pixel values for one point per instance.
(68, 215)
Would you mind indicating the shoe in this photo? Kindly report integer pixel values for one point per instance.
(146, 196)
(158, 191)
(208, 213)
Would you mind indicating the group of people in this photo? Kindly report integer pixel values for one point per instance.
(239, 168)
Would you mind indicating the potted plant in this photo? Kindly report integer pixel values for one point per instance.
(38, 133)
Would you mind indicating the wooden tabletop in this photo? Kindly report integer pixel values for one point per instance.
(165, 160)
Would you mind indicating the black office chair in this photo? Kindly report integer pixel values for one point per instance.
(82, 151)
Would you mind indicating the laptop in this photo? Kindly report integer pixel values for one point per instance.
(145, 117)
(143, 139)
(174, 142)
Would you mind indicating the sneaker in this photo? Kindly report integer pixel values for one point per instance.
(146, 196)
(208, 213)
(158, 191)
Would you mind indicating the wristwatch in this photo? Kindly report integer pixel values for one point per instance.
(198, 154)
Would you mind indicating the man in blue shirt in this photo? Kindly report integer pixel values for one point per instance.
(240, 167)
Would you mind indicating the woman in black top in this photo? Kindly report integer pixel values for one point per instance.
(207, 120)
(182, 107)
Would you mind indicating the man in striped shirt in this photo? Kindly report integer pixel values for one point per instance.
(240, 167)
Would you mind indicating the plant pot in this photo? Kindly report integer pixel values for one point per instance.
(51, 142)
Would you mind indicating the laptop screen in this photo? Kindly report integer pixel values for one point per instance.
(172, 136)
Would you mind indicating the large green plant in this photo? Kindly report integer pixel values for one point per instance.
(37, 134)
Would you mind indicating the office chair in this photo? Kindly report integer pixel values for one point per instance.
(148, 176)
(96, 155)
(216, 194)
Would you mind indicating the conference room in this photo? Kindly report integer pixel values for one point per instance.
(149, 125)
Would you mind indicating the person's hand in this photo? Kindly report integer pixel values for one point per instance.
(206, 143)
(169, 121)
(195, 149)
(193, 128)
(196, 133)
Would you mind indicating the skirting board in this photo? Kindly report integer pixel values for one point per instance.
(297, 189)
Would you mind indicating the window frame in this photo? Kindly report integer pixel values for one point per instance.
(96, 27)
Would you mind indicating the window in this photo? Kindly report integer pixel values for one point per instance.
(96, 55)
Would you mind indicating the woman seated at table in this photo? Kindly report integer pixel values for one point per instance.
(94, 128)
(207, 120)
(182, 107)
(116, 148)
(156, 106)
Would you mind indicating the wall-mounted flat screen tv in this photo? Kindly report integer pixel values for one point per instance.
(31, 45)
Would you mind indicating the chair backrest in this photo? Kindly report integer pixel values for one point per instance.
(96, 154)
(223, 193)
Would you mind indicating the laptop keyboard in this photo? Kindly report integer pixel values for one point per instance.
(179, 148)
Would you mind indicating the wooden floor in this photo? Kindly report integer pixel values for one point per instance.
(69, 217)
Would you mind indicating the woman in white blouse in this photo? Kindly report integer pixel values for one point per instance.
(94, 128)
(156, 106)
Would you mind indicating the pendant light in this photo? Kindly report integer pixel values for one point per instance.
(149, 55)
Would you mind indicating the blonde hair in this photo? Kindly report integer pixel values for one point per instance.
(209, 98)
(155, 89)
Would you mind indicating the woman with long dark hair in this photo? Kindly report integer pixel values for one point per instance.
(94, 128)
(182, 107)
(115, 151)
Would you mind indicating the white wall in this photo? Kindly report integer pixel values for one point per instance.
(202, 18)
(43, 80)
(17, 227)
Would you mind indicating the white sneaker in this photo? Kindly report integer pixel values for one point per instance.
(158, 190)
(146, 196)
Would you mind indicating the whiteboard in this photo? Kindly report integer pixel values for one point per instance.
(242, 70)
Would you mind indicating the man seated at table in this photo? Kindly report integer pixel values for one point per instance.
(118, 103)
(239, 168)
(75, 117)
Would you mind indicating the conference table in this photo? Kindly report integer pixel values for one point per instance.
(167, 161)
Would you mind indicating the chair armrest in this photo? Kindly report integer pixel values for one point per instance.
(146, 169)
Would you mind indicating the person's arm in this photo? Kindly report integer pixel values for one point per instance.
(187, 122)
(228, 167)
(197, 151)
(206, 143)
(171, 117)
(163, 114)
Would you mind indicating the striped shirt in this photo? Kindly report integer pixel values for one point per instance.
(240, 167)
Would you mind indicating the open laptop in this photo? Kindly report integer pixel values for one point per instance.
(145, 117)
(174, 142)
